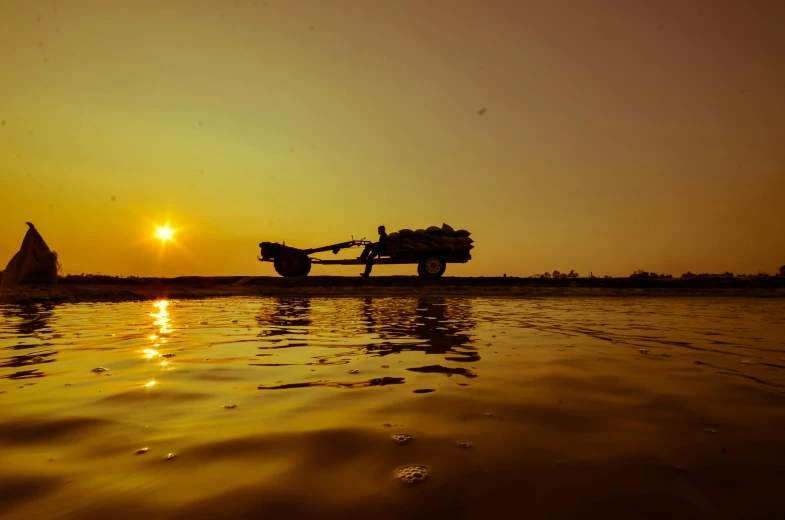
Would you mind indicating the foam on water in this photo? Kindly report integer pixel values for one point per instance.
(413, 474)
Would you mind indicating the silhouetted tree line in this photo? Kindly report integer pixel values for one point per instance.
(557, 275)
(640, 273)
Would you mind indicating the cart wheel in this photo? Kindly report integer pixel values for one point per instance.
(292, 264)
(306, 266)
(432, 267)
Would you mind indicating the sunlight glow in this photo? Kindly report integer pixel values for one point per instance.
(150, 353)
(151, 383)
(164, 233)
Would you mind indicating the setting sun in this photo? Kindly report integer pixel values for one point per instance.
(164, 233)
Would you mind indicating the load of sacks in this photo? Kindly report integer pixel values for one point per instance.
(434, 238)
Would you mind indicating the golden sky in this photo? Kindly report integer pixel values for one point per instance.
(619, 135)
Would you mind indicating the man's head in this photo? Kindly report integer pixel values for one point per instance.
(381, 229)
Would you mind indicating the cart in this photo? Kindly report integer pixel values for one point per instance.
(291, 261)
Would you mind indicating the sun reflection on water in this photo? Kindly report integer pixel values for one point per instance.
(162, 317)
(163, 323)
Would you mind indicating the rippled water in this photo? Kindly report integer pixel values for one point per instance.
(393, 408)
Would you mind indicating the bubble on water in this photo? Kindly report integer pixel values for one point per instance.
(412, 474)
(202, 323)
(100, 369)
(424, 390)
(464, 444)
(170, 456)
(385, 366)
(230, 406)
(387, 425)
(355, 371)
(643, 351)
(711, 430)
(167, 355)
(38, 359)
(142, 451)
(488, 414)
(235, 321)
(402, 438)
(321, 361)
(748, 362)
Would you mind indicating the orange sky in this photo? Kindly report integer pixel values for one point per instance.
(618, 135)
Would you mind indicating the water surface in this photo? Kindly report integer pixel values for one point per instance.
(297, 407)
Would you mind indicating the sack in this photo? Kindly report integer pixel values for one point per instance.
(435, 230)
(447, 229)
(464, 247)
(406, 232)
(393, 235)
(33, 263)
(449, 240)
(465, 240)
(420, 232)
(462, 233)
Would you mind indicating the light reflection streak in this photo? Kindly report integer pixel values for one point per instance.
(163, 323)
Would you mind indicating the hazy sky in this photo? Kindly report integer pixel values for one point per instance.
(619, 135)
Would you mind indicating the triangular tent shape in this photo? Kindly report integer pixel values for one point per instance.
(35, 263)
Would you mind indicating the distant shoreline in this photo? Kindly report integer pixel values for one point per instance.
(108, 289)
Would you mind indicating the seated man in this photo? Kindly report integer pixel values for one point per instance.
(374, 250)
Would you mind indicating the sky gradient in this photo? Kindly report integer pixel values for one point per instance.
(619, 135)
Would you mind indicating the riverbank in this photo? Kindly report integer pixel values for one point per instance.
(100, 289)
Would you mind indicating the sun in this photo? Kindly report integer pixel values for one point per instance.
(164, 233)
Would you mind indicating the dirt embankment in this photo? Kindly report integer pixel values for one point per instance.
(94, 289)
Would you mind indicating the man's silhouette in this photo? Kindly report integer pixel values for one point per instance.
(374, 250)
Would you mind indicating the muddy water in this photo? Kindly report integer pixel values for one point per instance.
(393, 408)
